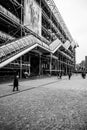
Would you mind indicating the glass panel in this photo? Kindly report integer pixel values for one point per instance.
(23, 42)
(12, 49)
(32, 38)
(20, 45)
(2, 54)
(27, 40)
(15, 45)
(6, 50)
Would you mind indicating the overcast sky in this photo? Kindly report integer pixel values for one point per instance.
(74, 13)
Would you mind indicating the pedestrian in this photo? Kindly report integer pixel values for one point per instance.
(57, 74)
(69, 75)
(15, 83)
(60, 75)
(83, 75)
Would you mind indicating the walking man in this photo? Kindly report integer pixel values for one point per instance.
(69, 75)
(15, 83)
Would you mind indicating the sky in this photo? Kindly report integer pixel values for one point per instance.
(74, 14)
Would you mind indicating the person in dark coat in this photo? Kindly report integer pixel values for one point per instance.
(60, 75)
(69, 75)
(15, 83)
(83, 75)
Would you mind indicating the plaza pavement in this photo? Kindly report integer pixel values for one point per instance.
(24, 85)
(44, 104)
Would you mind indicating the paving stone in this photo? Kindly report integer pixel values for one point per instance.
(51, 105)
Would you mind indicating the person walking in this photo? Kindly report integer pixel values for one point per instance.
(83, 75)
(69, 75)
(15, 83)
(60, 75)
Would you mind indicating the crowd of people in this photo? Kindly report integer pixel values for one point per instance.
(60, 75)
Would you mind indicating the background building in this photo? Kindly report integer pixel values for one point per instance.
(82, 66)
(86, 62)
(34, 39)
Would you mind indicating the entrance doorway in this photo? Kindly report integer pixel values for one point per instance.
(34, 65)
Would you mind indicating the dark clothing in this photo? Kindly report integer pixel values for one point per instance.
(15, 83)
(83, 75)
(59, 75)
(69, 75)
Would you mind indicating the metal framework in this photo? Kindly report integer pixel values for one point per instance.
(56, 45)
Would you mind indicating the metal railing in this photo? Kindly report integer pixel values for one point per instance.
(6, 36)
(10, 49)
(9, 14)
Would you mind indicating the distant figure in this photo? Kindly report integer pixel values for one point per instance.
(69, 75)
(60, 75)
(15, 83)
(83, 75)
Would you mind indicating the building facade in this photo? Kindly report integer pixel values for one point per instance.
(34, 39)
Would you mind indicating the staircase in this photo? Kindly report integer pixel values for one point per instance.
(55, 45)
(19, 47)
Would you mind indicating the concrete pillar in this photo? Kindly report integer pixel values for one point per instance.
(66, 68)
(29, 63)
(50, 63)
(60, 63)
(20, 67)
(40, 67)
